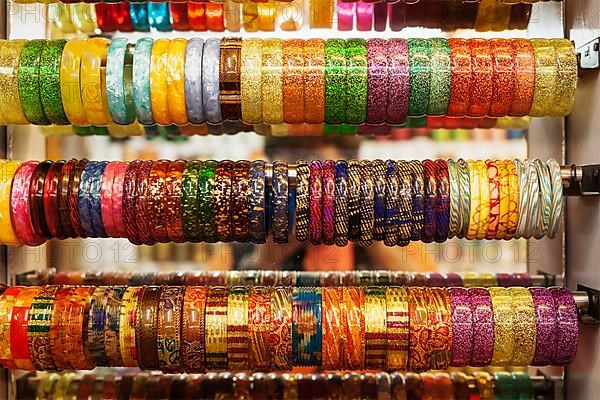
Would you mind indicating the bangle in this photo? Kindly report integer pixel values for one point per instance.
(492, 175)
(379, 207)
(482, 77)
(159, 16)
(345, 15)
(28, 82)
(439, 316)
(138, 13)
(232, 12)
(483, 327)
(156, 198)
(76, 352)
(95, 198)
(460, 88)
(259, 327)
(106, 193)
(206, 194)
(83, 194)
(523, 204)
(175, 76)
(378, 70)
(405, 202)
(504, 77)
(222, 206)
(341, 203)
(8, 170)
(141, 216)
(56, 338)
(504, 199)
(465, 197)
(557, 198)
(38, 330)
(329, 200)
(462, 326)
(546, 74)
(7, 303)
(193, 329)
(179, 16)
(419, 320)
(251, 80)
(141, 80)
(20, 205)
(418, 199)
(333, 333)
(229, 79)
(168, 338)
(240, 199)
(9, 80)
(524, 326)
(193, 78)
(215, 19)
(216, 329)
(20, 314)
(93, 92)
(314, 80)
(545, 198)
(159, 81)
(504, 334)
(293, 81)
(316, 201)
(306, 326)
(380, 16)
(420, 76)
(321, 14)
(63, 193)
(173, 200)
(335, 81)
(36, 199)
(238, 339)
(475, 204)
(566, 84)
(280, 199)
(430, 211)
(119, 90)
(190, 215)
(70, 82)
(117, 200)
(127, 324)
(95, 326)
(354, 191)
(250, 16)
(546, 326)
(392, 205)
(367, 212)
(210, 80)
(524, 77)
(122, 18)
(257, 226)
(375, 328)
(146, 332)
(353, 318)
(364, 16)
(567, 326)
(271, 81)
(514, 200)
(49, 81)
(399, 80)
(302, 200)
(441, 77)
(454, 221)
(532, 223)
(356, 81)
(397, 321)
(280, 338)
(112, 326)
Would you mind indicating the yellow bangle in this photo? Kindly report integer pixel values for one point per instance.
(504, 340)
(546, 71)
(176, 82)
(375, 327)
(321, 13)
(127, 326)
(7, 172)
(238, 339)
(93, 81)
(267, 16)
(474, 182)
(397, 328)
(159, 66)
(523, 325)
(484, 383)
(215, 322)
(2, 117)
(251, 80)
(566, 85)
(487, 279)
(9, 83)
(272, 91)
(504, 198)
(514, 198)
(82, 17)
(484, 193)
(70, 86)
(250, 16)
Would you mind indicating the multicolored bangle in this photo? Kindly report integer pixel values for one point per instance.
(281, 337)
(229, 79)
(354, 192)
(375, 328)
(341, 203)
(397, 321)
(316, 201)
(222, 206)
(379, 199)
(216, 329)
(306, 326)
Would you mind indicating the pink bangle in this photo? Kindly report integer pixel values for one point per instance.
(345, 14)
(377, 93)
(106, 196)
(20, 214)
(398, 81)
(364, 16)
(328, 202)
(117, 202)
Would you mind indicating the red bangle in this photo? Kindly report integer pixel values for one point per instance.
(222, 201)
(156, 198)
(63, 199)
(241, 193)
(173, 201)
(524, 77)
(215, 18)
(106, 195)
(481, 77)
(316, 201)
(51, 212)
(142, 216)
(20, 205)
(460, 89)
(73, 197)
(196, 14)
(19, 326)
(259, 327)
(122, 17)
(179, 15)
(8, 299)
(129, 202)
(105, 17)
(36, 199)
(117, 200)
(494, 178)
(503, 82)
(328, 202)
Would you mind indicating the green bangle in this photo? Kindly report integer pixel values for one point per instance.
(340, 130)
(503, 386)
(29, 82)
(335, 81)
(441, 76)
(523, 386)
(420, 76)
(189, 202)
(49, 76)
(356, 79)
(206, 184)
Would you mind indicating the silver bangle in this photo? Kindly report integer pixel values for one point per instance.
(545, 198)
(454, 224)
(557, 198)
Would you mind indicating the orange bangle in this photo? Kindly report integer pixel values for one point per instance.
(259, 326)
(176, 82)
(19, 324)
(76, 352)
(215, 19)
(353, 314)
(293, 81)
(332, 329)
(7, 302)
(314, 81)
(57, 339)
(513, 205)
(250, 16)
(267, 16)
(504, 192)
(440, 339)
(159, 67)
(193, 330)
(419, 324)
(127, 324)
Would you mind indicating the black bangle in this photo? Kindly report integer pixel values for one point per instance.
(405, 203)
(280, 199)
(367, 212)
(418, 200)
(302, 200)
(354, 190)
(380, 194)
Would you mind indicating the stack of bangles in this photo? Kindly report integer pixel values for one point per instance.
(238, 328)
(455, 385)
(349, 82)
(326, 202)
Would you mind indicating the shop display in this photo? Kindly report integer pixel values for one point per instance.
(326, 202)
(199, 328)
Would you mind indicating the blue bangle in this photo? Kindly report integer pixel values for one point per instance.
(118, 87)
(83, 195)
(306, 327)
(341, 203)
(89, 199)
(95, 199)
(193, 81)
(159, 16)
(379, 211)
(141, 81)
(256, 212)
(210, 80)
(138, 12)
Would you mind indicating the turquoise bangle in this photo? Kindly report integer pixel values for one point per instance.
(141, 81)
(210, 80)
(29, 78)
(441, 76)
(138, 12)
(159, 16)
(335, 81)
(356, 81)
(420, 76)
(118, 88)
(49, 79)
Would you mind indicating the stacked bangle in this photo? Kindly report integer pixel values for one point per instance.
(229, 78)
(29, 82)
(170, 308)
(306, 326)
(216, 329)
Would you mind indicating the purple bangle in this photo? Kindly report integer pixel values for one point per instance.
(483, 327)
(545, 326)
(380, 15)
(435, 279)
(453, 279)
(462, 326)
(328, 202)
(316, 201)
(521, 279)
(377, 92)
(505, 280)
(398, 80)
(567, 322)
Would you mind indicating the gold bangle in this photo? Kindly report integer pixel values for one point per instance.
(9, 82)
(504, 198)
(127, 323)
(375, 327)
(272, 94)
(293, 81)
(267, 16)
(216, 329)
(475, 207)
(159, 66)
(176, 82)
(504, 341)
(250, 16)
(2, 117)
(7, 172)
(70, 86)
(441, 329)
(397, 328)
(321, 13)
(238, 340)
(524, 325)
(93, 81)
(251, 80)
(546, 71)
(281, 334)
(487, 279)
(566, 84)
(484, 192)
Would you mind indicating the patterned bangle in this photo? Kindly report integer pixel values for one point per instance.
(483, 326)
(419, 320)
(112, 326)
(158, 82)
(7, 303)
(36, 199)
(20, 205)
(193, 329)
(293, 81)
(399, 81)
(439, 316)
(271, 81)
(430, 210)
(28, 82)
(328, 202)
(481, 80)
(76, 353)
(306, 326)
(420, 76)
(49, 82)
(525, 77)
(524, 326)
(302, 200)
(127, 324)
(353, 318)
(280, 201)
(533, 222)
(229, 79)
(238, 339)
(240, 199)
(462, 326)
(57, 318)
(379, 199)
(141, 209)
(38, 330)
(173, 201)
(316, 201)
(418, 200)
(514, 199)
(193, 79)
(503, 199)
(504, 335)
(378, 81)
(354, 192)
(441, 77)
(129, 198)
(259, 327)
(375, 328)
(333, 329)
(404, 202)
(443, 200)
(504, 77)
(216, 329)
(95, 199)
(210, 80)
(314, 81)
(475, 200)
(567, 326)
(397, 321)
(95, 326)
(168, 337)
(492, 174)
(566, 84)
(335, 81)
(341, 203)
(156, 198)
(206, 193)
(356, 81)
(280, 338)
(545, 208)
(392, 203)
(175, 77)
(257, 227)
(460, 89)
(119, 90)
(141, 80)
(19, 324)
(367, 212)
(546, 73)
(454, 221)
(465, 196)
(251, 81)
(223, 201)
(146, 332)
(557, 198)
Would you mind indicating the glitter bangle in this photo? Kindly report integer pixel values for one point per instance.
(397, 322)
(333, 329)
(420, 76)
(210, 80)
(335, 81)
(129, 190)
(503, 62)
(546, 74)
(240, 199)
(293, 81)
(356, 81)
(141, 80)
(341, 203)
(256, 214)
(523, 325)
(173, 199)
(141, 209)
(391, 203)
(280, 338)
(566, 84)
(229, 79)
(127, 324)
(483, 327)
(482, 77)
(306, 326)
(69, 81)
(314, 81)
(399, 80)
(259, 327)
(49, 82)
(158, 81)
(377, 93)
(206, 197)
(546, 326)
(316, 201)
(193, 329)
(28, 82)
(460, 88)
(222, 201)
(504, 334)
(9, 80)
(462, 326)
(441, 77)
(156, 199)
(328, 202)
(251, 80)
(119, 84)
(430, 211)
(367, 212)
(567, 326)
(303, 200)
(271, 81)
(524, 77)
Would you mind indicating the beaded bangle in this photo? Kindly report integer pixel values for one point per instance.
(314, 81)
(193, 329)
(147, 327)
(379, 207)
(418, 199)
(375, 328)
(229, 79)
(504, 334)
(545, 198)
(378, 70)
(367, 212)
(356, 81)
(333, 329)
(36, 199)
(523, 325)
(441, 77)
(482, 77)
(271, 81)
(293, 81)
(173, 199)
(259, 327)
(397, 322)
(462, 326)
(353, 318)
(306, 326)
(20, 210)
(483, 326)
(119, 83)
(141, 80)
(222, 205)
(256, 214)
(19, 325)
(127, 324)
(49, 81)
(206, 193)
(216, 329)
(95, 326)
(460, 88)
(420, 76)
(557, 198)
(504, 77)
(9, 81)
(280, 339)
(280, 201)
(391, 203)
(28, 82)
(168, 337)
(316, 201)
(193, 80)
(140, 207)
(159, 98)
(354, 191)
(439, 315)
(430, 210)
(238, 339)
(251, 81)
(341, 203)
(335, 81)
(240, 199)
(567, 326)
